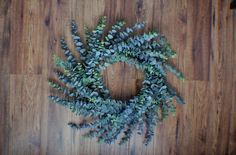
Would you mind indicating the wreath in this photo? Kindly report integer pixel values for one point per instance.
(81, 82)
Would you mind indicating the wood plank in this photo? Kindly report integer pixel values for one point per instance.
(221, 78)
(232, 130)
(4, 113)
(5, 36)
(25, 114)
(25, 52)
(198, 39)
(201, 32)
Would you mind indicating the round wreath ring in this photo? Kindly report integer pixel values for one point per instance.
(86, 95)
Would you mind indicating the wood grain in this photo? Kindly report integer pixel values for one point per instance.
(201, 32)
(123, 80)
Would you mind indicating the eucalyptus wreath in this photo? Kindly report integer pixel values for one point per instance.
(85, 94)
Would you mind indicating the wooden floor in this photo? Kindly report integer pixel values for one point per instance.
(201, 31)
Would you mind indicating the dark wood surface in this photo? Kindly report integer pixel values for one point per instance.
(201, 31)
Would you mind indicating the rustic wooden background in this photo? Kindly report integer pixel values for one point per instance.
(201, 31)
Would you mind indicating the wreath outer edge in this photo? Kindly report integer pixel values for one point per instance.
(80, 81)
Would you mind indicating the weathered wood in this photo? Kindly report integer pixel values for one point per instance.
(201, 32)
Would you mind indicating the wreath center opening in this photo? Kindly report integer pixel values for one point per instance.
(123, 80)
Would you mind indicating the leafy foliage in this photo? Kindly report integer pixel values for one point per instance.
(86, 94)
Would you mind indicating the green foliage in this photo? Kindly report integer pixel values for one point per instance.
(86, 94)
